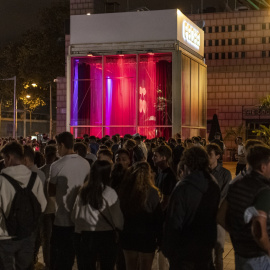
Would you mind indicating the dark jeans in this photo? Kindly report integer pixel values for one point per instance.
(17, 254)
(100, 245)
(62, 249)
(45, 234)
(186, 265)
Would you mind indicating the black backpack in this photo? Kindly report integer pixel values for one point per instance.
(25, 209)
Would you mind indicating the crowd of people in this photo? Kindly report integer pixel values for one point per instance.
(115, 203)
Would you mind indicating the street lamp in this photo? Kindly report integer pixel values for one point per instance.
(15, 107)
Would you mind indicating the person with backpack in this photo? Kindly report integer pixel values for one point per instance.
(22, 200)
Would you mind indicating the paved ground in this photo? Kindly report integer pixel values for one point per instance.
(228, 249)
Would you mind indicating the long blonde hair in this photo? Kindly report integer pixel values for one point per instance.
(135, 188)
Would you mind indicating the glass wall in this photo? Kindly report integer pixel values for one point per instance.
(122, 94)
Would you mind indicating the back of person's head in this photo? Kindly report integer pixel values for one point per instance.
(13, 149)
(129, 144)
(117, 176)
(81, 149)
(65, 138)
(213, 147)
(195, 159)
(51, 142)
(108, 143)
(196, 139)
(252, 142)
(29, 152)
(257, 156)
(164, 151)
(93, 138)
(50, 153)
(99, 177)
(39, 159)
(105, 152)
(114, 139)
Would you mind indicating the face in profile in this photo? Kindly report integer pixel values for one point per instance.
(123, 159)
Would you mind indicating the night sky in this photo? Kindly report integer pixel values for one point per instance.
(16, 16)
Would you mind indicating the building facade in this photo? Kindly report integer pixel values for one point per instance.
(237, 53)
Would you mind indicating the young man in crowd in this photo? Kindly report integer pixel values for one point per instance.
(223, 177)
(122, 156)
(16, 253)
(165, 179)
(247, 215)
(67, 175)
(190, 228)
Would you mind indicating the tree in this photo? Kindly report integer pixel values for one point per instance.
(39, 57)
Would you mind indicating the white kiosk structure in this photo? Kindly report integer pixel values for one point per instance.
(136, 72)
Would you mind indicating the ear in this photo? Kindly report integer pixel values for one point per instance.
(218, 157)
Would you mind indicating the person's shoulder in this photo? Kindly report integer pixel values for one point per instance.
(110, 194)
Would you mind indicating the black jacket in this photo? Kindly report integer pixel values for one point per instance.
(190, 229)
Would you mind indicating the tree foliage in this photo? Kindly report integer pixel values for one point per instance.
(263, 133)
(38, 57)
(265, 103)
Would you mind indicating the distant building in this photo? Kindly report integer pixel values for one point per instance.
(237, 53)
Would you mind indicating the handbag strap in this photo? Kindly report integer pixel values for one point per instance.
(107, 220)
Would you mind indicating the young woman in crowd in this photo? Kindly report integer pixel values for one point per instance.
(97, 215)
(140, 204)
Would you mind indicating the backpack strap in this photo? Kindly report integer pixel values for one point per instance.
(15, 183)
(12, 181)
(32, 181)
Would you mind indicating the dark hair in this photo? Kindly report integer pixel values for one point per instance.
(91, 191)
(50, 153)
(51, 142)
(164, 150)
(196, 159)
(213, 147)
(29, 152)
(117, 176)
(39, 159)
(65, 138)
(108, 143)
(93, 138)
(106, 152)
(122, 151)
(81, 149)
(13, 148)
(258, 155)
(252, 142)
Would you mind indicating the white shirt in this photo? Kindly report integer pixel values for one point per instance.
(22, 174)
(68, 174)
(87, 218)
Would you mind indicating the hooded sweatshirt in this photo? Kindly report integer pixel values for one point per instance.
(190, 229)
